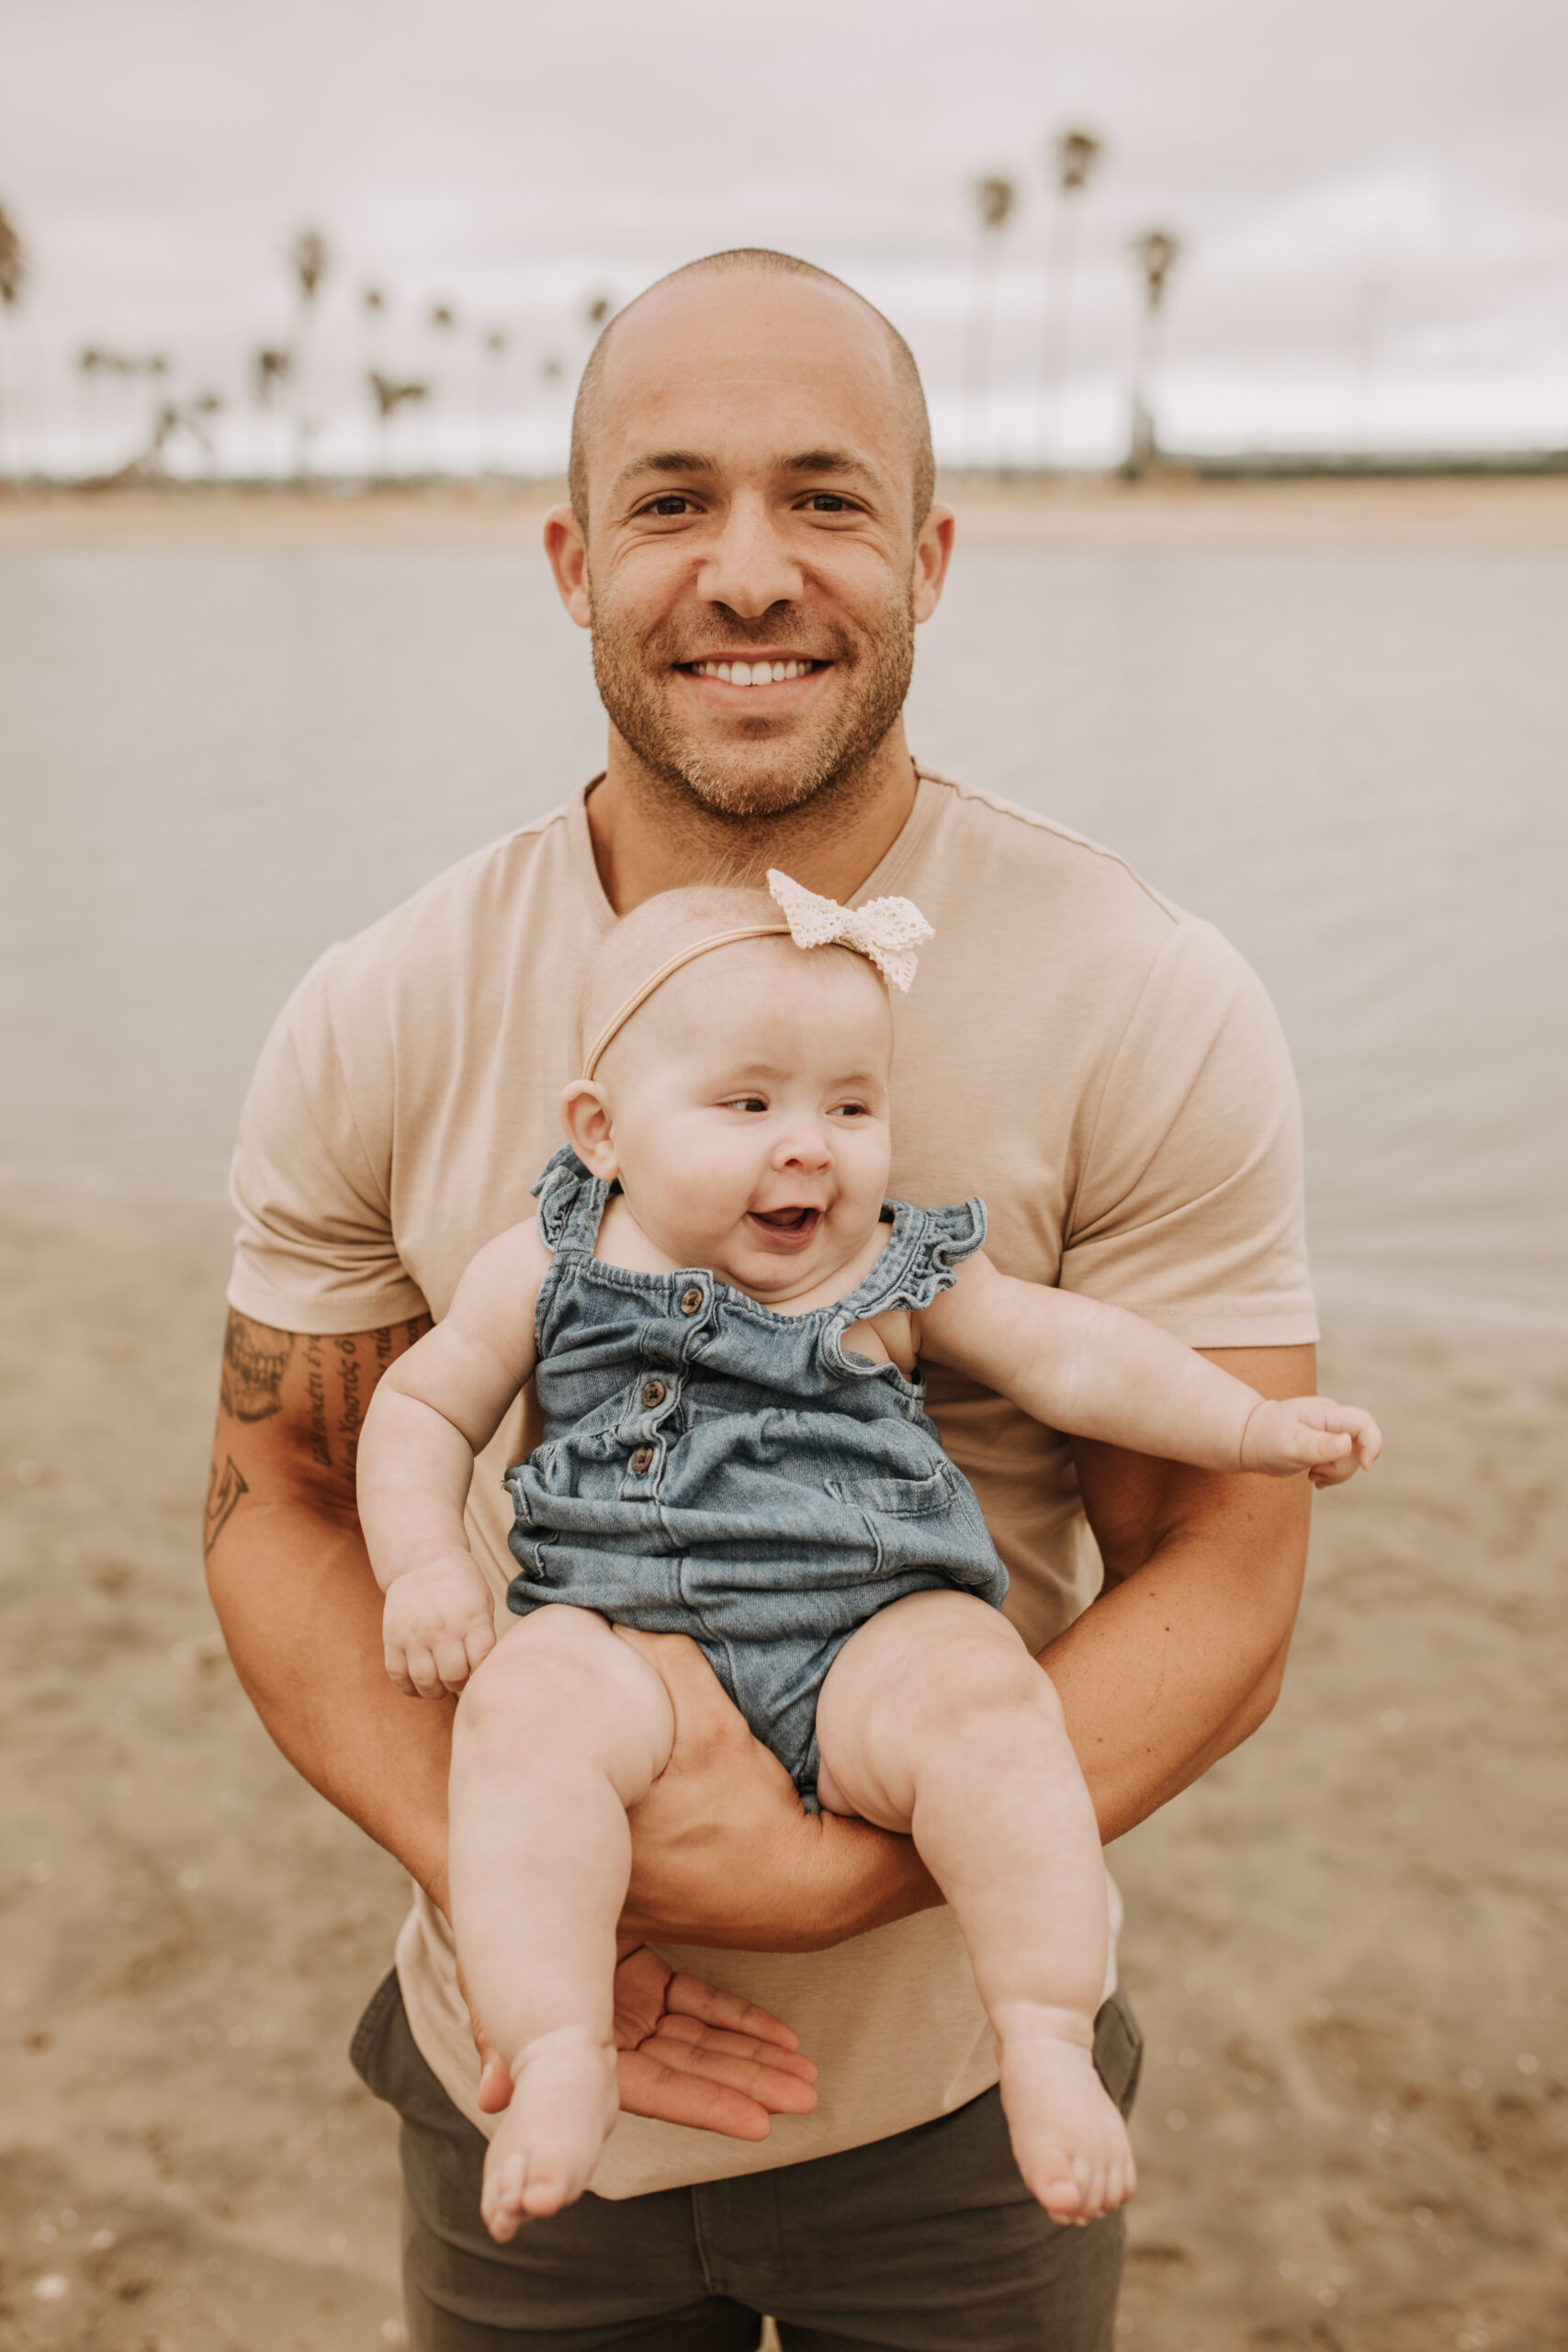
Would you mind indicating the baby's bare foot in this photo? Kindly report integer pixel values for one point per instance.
(1070, 2142)
(547, 2142)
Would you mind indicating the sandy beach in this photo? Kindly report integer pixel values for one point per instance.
(1501, 513)
(1344, 1945)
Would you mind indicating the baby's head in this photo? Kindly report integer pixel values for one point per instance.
(744, 1103)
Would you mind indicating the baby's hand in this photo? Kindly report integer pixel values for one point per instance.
(1329, 1441)
(439, 1623)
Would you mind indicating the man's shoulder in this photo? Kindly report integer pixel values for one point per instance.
(1021, 884)
(976, 831)
(446, 961)
(468, 904)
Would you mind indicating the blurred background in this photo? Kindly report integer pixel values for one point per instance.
(1245, 335)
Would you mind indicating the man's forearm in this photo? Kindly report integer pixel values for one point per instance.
(1181, 1657)
(1155, 1683)
(302, 1613)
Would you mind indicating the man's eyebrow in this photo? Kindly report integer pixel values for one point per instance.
(691, 461)
(664, 461)
(829, 461)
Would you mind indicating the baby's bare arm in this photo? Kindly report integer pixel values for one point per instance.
(1098, 1372)
(437, 1407)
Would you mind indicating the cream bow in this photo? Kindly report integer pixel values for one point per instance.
(888, 930)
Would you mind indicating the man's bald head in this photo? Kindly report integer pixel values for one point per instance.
(905, 387)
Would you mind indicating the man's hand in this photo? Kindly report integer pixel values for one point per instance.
(689, 2053)
(724, 1854)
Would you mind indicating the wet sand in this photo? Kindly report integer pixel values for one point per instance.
(1346, 1945)
(1095, 515)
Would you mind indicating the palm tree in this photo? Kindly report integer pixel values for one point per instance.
(996, 200)
(1156, 253)
(271, 368)
(310, 261)
(495, 344)
(203, 409)
(13, 277)
(389, 396)
(1076, 154)
(598, 310)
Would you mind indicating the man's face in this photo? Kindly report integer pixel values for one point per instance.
(753, 572)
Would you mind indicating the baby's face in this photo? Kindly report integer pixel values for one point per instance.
(750, 1115)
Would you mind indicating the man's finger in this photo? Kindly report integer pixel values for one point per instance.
(769, 2086)
(686, 1996)
(496, 2082)
(735, 2045)
(648, 2088)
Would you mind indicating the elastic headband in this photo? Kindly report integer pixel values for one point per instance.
(887, 931)
(618, 1019)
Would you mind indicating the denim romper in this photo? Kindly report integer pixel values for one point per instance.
(713, 1468)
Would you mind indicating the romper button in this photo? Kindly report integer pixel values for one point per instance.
(654, 1392)
(691, 1300)
(642, 1461)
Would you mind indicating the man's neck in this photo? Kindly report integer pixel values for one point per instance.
(650, 836)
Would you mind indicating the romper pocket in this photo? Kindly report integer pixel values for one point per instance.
(898, 1498)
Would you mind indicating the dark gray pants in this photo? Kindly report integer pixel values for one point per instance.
(921, 2243)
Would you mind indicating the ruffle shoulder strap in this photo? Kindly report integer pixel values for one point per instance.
(938, 1242)
(570, 1204)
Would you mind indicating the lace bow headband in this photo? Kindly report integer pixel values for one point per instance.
(887, 931)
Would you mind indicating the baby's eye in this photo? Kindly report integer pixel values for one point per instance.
(851, 1111)
(746, 1103)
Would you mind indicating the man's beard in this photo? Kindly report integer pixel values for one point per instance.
(742, 788)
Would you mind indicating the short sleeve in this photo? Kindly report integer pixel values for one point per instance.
(315, 1250)
(1189, 1208)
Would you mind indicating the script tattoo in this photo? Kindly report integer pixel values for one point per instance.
(255, 1358)
(322, 1415)
(224, 1489)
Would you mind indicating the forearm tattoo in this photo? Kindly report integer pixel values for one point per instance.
(321, 1384)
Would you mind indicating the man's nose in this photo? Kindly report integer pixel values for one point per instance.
(748, 565)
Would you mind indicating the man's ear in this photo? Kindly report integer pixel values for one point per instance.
(568, 552)
(933, 551)
(585, 1117)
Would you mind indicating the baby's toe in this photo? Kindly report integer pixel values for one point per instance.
(543, 2197)
(501, 2200)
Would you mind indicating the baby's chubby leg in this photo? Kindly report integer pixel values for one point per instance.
(560, 1730)
(935, 1721)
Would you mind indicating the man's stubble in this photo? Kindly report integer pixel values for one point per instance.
(824, 764)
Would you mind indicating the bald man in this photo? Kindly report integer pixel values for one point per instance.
(752, 541)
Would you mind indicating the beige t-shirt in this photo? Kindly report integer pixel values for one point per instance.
(1101, 1068)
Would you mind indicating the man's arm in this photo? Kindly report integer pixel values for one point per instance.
(1182, 1656)
(293, 1588)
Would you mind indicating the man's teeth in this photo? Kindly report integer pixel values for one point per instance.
(752, 673)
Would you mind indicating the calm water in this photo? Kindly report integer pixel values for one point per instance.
(1355, 763)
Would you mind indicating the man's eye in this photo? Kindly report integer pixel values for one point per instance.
(672, 502)
(827, 501)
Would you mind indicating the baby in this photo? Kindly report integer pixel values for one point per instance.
(725, 1320)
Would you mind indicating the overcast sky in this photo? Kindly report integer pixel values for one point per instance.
(1371, 195)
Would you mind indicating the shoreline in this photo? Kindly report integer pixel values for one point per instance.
(1461, 514)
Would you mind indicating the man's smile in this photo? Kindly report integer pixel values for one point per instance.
(730, 681)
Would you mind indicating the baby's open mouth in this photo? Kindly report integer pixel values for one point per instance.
(797, 1223)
